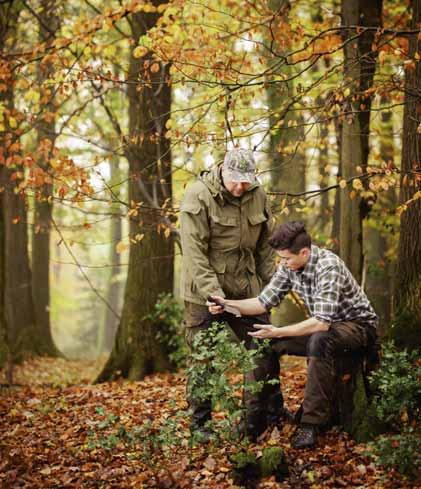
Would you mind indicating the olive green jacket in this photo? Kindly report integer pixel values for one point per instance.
(224, 241)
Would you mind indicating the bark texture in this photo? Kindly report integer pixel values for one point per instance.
(407, 327)
(18, 320)
(359, 67)
(136, 351)
(43, 208)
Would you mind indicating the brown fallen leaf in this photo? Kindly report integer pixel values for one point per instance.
(210, 463)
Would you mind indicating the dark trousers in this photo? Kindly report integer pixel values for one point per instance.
(321, 349)
(262, 408)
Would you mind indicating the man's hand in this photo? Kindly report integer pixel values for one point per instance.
(265, 331)
(216, 304)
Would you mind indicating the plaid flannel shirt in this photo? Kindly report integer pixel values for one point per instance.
(327, 288)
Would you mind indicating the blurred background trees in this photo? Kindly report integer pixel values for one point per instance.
(108, 109)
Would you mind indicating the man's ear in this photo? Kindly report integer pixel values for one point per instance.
(305, 252)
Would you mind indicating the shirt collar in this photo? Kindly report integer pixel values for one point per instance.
(310, 266)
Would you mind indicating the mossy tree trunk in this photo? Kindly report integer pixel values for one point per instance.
(136, 351)
(43, 207)
(359, 67)
(408, 279)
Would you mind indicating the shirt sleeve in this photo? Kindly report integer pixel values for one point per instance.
(276, 289)
(327, 295)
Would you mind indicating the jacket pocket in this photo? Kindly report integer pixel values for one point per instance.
(257, 218)
(224, 220)
(224, 232)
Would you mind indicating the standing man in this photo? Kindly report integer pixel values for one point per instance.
(342, 319)
(225, 227)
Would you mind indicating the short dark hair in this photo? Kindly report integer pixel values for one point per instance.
(291, 236)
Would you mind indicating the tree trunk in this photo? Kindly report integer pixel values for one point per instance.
(43, 207)
(336, 218)
(286, 141)
(407, 327)
(288, 163)
(325, 209)
(3, 325)
(109, 326)
(136, 351)
(359, 67)
(19, 315)
(382, 267)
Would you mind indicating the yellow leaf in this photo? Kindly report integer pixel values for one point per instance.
(149, 8)
(357, 184)
(168, 124)
(32, 96)
(139, 237)
(342, 183)
(121, 246)
(110, 50)
(161, 8)
(140, 51)
(13, 123)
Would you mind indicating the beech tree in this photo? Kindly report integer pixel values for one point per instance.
(408, 287)
(359, 68)
(137, 352)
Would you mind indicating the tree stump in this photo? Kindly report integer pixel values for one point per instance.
(351, 405)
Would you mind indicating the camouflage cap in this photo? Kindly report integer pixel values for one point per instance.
(240, 165)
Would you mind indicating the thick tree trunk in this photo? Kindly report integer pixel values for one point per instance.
(19, 316)
(286, 141)
(287, 157)
(136, 351)
(359, 68)
(3, 325)
(43, 204)
(19, 306)
(380, 275)
(408, 283)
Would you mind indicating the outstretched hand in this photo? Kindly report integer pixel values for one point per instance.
(265, 331)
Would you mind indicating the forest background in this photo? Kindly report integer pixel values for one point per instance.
(109, 108)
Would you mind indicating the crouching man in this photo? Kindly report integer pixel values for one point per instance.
(342, 318)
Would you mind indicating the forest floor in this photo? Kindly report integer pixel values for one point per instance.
(57, 430)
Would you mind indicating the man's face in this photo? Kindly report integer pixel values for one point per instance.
(237, 189)
(294, 261)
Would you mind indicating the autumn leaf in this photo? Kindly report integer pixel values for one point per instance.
(140, 51)
(121, 247)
